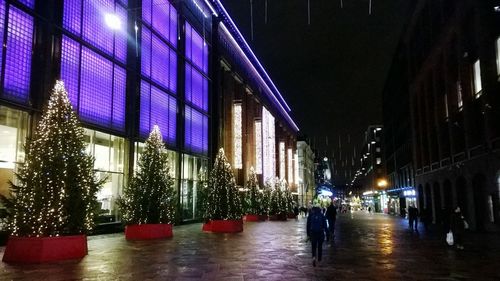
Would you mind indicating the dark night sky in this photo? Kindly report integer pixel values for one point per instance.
(330, 72)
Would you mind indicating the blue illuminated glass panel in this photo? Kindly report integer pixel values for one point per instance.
(96, 85)
(18, 55)
(2, 27)
(93, 29)
(196, 131)
(158, 61)
(161, 16)
(160, 108)
(70, 68)
(29, 3)
(196, 49)
(196, 88)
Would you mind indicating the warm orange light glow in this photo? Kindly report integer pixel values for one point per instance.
(382, 183)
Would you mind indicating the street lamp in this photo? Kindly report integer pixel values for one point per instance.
(382, 183)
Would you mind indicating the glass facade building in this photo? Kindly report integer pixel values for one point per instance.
(157, 67)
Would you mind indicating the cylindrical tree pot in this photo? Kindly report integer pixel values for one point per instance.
(278, 217)
(148, 231)
(263, 217)
(251, 217)
(291, 216)
(45, 249)
(224, 226)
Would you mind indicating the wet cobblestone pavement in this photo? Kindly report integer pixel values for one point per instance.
(367, 247)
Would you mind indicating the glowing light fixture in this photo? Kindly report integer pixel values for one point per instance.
(258, 147)
(113, 21)
(296, 157)
(269, 145)
(382, 183)
(290, 166)
(282, 159)
(237, 136)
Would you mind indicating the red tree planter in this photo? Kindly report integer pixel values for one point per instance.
(279, 217)
(45, 249)
(223, 226)
(252, 218)
(148, 231)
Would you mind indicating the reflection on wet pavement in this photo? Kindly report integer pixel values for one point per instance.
(366, 247)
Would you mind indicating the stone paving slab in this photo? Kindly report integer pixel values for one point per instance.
(366, 247)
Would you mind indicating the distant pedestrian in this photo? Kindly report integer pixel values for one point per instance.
(413, 217)
(331, 216)
(457, 227)
(425, 218)
(316, 228)
(369, 209)
(296, 212)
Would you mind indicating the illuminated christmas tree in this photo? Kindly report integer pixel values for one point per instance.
(150, 196)
(56, 194)
(254, 196)
(276, 204)
(265, 200)
(223, 199)
(288, 197)
(202, 193)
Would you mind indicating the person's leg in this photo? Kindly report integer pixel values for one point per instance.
(314, 245)
(410, 222)
(320, 249)
(416, 224)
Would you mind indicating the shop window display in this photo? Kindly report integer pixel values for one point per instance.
(192, 167)
(13, 132)
(109, 153)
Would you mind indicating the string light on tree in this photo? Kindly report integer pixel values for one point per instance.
(150, 196)
(56, 194)
(254, 196)
(222, 196)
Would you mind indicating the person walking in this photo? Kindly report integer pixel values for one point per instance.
(457, 227)
(316, 228)
(413, 217)
(331, 216)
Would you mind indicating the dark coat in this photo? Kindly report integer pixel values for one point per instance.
(331, 212)
(457, 223)
(316, 210)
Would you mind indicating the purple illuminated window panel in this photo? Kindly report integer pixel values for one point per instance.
(157, 107)
(196, 50)
(121, 35)
(29, 3)
(146, 52)
(96, 86)
(72, 15)
(120, 80)
(94, 29)
(18, 56)
(196, 131)
(70, 68)
(146, 11)
(162, 17)
(158, 61)
(2, 27)
(196, 88)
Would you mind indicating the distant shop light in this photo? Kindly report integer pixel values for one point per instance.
(326, 193)
(409, 193)
(496, 9)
